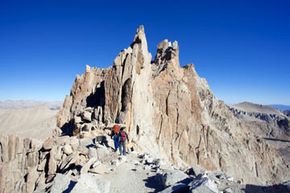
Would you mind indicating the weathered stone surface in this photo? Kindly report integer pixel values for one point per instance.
(18, 158)
(88, 165)
(41, 166)
(52, 163)
(77, 119)
(102, 152)
(87, 116)
(40, 183)
(179, 187)
(87, 127)
(60, 184)
(62, 140)
(68, 160)
(90, 183)
(67, 149)
(201, 189)
(48, 143)
(228, 190)
(31, 180)
(99, 169)
(172, 177)
(93, 152)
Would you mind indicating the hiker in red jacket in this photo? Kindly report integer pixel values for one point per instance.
(115, 136)
(123, 136)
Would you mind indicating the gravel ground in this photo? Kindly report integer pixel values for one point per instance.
(129, 177)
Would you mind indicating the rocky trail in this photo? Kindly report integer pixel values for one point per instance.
(131, 176)
(104, 171)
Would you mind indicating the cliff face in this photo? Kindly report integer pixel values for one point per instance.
(170, 112)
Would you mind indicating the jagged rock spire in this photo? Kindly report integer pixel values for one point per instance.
(167, 56)
(140, 39)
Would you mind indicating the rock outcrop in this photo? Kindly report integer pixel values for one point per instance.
(18, 161)
(31, 166)
(170, 112)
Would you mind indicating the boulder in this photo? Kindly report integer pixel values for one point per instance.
(68, 161)
(86, 142)
(60, 183)
(92, 184)
(48, 143)
(178, 187)
(77, 119)
(67, 149)
(52, 163)
(87, 116)
(202, 184)
(172, 177)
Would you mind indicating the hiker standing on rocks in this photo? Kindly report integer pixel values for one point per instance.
(123, 138)
(115, 136)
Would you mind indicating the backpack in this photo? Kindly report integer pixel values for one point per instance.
(116, 129)
(123, 136)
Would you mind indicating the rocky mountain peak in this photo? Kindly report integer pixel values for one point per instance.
(167, 56)
(140, 36)
(169, 112)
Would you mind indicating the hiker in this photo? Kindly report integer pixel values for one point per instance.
(115, 136)
(123, 138)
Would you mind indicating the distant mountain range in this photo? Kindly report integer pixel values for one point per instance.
(20, 104)
(280, 107)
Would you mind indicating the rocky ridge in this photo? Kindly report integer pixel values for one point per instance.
(170, 112)
(265, 121)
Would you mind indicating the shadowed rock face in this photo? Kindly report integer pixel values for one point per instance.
(170, 112)
(287, 113)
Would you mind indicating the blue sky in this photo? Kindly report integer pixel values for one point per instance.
(241, 47)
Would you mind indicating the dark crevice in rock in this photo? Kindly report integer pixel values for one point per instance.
(126, 94)
(67, 128)
(98, 97)
(137, 130)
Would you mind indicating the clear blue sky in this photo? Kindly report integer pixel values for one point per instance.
(242, 47)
